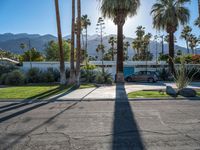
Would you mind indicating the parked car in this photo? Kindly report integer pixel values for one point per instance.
(147, 76)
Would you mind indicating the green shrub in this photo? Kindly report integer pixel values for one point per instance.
(15, 78)
(55, 73)
(47, 77)
(67, 73)
(3, 78)
(88, 76)
(103, 78)
(6, 68)
(34, 75)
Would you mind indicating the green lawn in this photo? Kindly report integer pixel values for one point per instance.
(151, 94)
(89, 85)
(147, 94)
(31, 92)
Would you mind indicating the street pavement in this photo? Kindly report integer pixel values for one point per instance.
(101, 125)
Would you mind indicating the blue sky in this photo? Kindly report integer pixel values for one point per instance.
(38, 17)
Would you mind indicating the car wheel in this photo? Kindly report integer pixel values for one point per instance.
(151, 80)
(129, 80)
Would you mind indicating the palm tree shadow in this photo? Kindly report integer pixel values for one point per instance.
(34, 105)
(125, 130)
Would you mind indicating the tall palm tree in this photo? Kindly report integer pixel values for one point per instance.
(193, 42)
(85, 23)
(72, 68)
(167, 15)
(185, 35)
(118, 11)
(199, 7)
(126, 46)
(62, 62)
(197, 22)
(78, 40)
(112, 41)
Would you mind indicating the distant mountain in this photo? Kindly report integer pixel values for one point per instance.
(11, 42)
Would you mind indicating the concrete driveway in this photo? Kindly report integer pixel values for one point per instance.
(100, 125)
(109, 92)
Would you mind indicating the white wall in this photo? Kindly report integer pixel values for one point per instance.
(110, 66)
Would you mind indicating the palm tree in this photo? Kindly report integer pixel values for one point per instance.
(78, 40)
(126, 46)
(62, 62)
(193, 42)
(167, 15)
(197, 22)
(85, 23)
(118, 11)
(185, 35)
(72, 68)
(112, 41)
(199, 7)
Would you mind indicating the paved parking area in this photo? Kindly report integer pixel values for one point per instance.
(100, 125)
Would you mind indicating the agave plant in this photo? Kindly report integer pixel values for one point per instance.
(183, 74)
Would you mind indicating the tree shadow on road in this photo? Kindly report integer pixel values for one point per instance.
(126, 134)
(33, 105)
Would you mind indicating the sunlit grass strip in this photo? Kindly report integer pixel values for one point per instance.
(148, 94)
(31, 92)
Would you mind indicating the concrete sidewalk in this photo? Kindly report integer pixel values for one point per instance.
(110, 92)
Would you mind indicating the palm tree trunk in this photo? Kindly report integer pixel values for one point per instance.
(188, 51)
(72, 70)
(171, 52)
(199, 7)
(112, 52)
(120, 54)
(86, 39)
(78, 51)
(62, 62)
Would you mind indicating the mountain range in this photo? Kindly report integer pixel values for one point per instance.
(11, 42)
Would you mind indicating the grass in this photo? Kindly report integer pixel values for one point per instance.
(147, 94)
(31, 92)
(198, 93)
(35, 91)
(151, 94)
(88, 85)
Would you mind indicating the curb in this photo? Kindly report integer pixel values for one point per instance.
(90, 100)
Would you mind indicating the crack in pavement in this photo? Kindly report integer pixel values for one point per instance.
(37, 127)
(179, 132)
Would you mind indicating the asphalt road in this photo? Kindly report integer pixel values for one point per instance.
(100, 125)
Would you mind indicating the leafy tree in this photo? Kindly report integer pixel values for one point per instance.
(32, 55)
(7, 54)
(118, 11)
(168, 15)
(52, 51)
